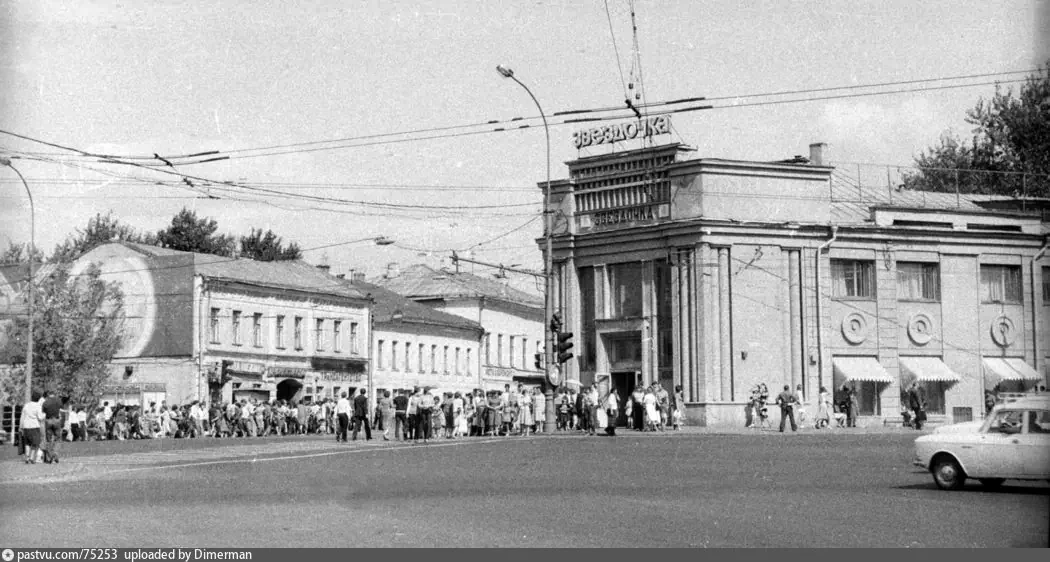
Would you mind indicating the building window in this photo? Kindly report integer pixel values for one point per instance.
(1000, 284)
(918, 282)
(280, 332)
(455, 364)
(444, 362)
(625, 288)
(337, 332)
(379, 355)
(236, 327)
(488, 349)
(298, 332)
(468, 369)
(408, 348)
(319, 334)
(422, 349)
(524, 353)
(664, 313)
(510, 358)
(257, 329)
(393, 356)
(214, 319)
(353, 338)
(1046, 286)
(433, 359)
(853, 279)
(499, 350)
(588, 348)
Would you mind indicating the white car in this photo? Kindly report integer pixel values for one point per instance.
(1012, 443)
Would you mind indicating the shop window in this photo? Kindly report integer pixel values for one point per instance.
(280, 332)
(918, 282)
(236, 327)
(588, 348)
(1000, 284)
(214, 321)
(868, 398)
(932, 393)
(625, 288)
(853, 279)
(298, 333)
(257, 329)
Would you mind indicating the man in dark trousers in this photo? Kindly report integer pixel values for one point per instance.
(401, 416)
(426, 410)
(361, 414)
(52, 408)
(787, 401)
(342, 416)
(916, 405)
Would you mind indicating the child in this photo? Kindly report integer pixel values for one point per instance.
(510, 417)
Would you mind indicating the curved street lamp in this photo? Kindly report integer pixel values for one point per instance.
(32, 246)
(549, 423)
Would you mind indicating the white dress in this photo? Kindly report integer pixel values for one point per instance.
(459, 415)
(651, 414)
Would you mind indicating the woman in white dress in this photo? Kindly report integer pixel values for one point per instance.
(525, 419)
(823, 409)
(539, 409)
(611, 407)
(459, 416)
(801, 407)
(652, 416)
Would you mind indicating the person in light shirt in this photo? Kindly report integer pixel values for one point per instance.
(31, 423)
(342, 414)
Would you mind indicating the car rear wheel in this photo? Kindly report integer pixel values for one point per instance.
(992, 483)
(947, 474)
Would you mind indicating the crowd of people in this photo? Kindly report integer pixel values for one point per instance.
(418, 415)
(840, 410)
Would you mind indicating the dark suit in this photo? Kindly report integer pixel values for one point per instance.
(787, 402)
(361, 416)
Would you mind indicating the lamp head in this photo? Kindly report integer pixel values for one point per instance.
(506, 72)
(4, 161)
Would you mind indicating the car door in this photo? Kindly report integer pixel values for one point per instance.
(1035, 444)
(999, 447)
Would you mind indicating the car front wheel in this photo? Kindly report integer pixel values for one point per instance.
(947, 474)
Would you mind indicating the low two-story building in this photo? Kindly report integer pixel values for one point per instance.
(206, 327)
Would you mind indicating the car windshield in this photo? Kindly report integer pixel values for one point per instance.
(1006, 421)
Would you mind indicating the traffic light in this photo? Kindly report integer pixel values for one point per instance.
(556, 323)
(539, 361)
(224, 372)
(562, 345)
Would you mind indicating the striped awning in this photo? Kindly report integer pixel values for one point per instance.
(928, 369)
(1012, 369)
(864, 369)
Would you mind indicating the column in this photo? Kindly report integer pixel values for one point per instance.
(724, 327)
(684, 312)
(649, 372)
(572, 315)
(797, 357)
(676, 319)
(696, 390)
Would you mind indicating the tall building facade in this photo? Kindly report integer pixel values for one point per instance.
(720, 275)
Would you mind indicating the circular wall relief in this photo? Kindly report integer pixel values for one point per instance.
(1003, 331)
(855, 328)
(920, 328)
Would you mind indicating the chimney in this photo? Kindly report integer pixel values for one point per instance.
(816, 153)
(324, 267)
(358, 277)
(392, 270)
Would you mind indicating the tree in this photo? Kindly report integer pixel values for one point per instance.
(77, 331)
(100, 230)
(1010, 150)
(268, 247)
(19, 253)
(187, 233)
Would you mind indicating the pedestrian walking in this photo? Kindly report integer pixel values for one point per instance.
(342, 416)
(800, 398)
(361, 414)
(32, 422)
(426, 412)
(413, 414)
(612, 411)
(917, 405)
(401, 415)
(638, 407)
(854, 408)
(387, 415)
(539, 409)
(787, 401)
(459, 416)
(824, 408)
(652, 414)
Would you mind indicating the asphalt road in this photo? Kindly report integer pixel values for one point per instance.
(688, 490)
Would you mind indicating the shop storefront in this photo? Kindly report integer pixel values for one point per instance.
(135, 394)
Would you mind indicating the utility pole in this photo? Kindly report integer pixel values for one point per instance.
(29, 282)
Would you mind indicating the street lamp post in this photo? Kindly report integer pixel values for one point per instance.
(32, 246)
(549, 423)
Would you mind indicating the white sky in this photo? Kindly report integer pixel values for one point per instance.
(137, 77)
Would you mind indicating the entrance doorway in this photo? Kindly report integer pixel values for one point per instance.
(289, 389)
(624, 382)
